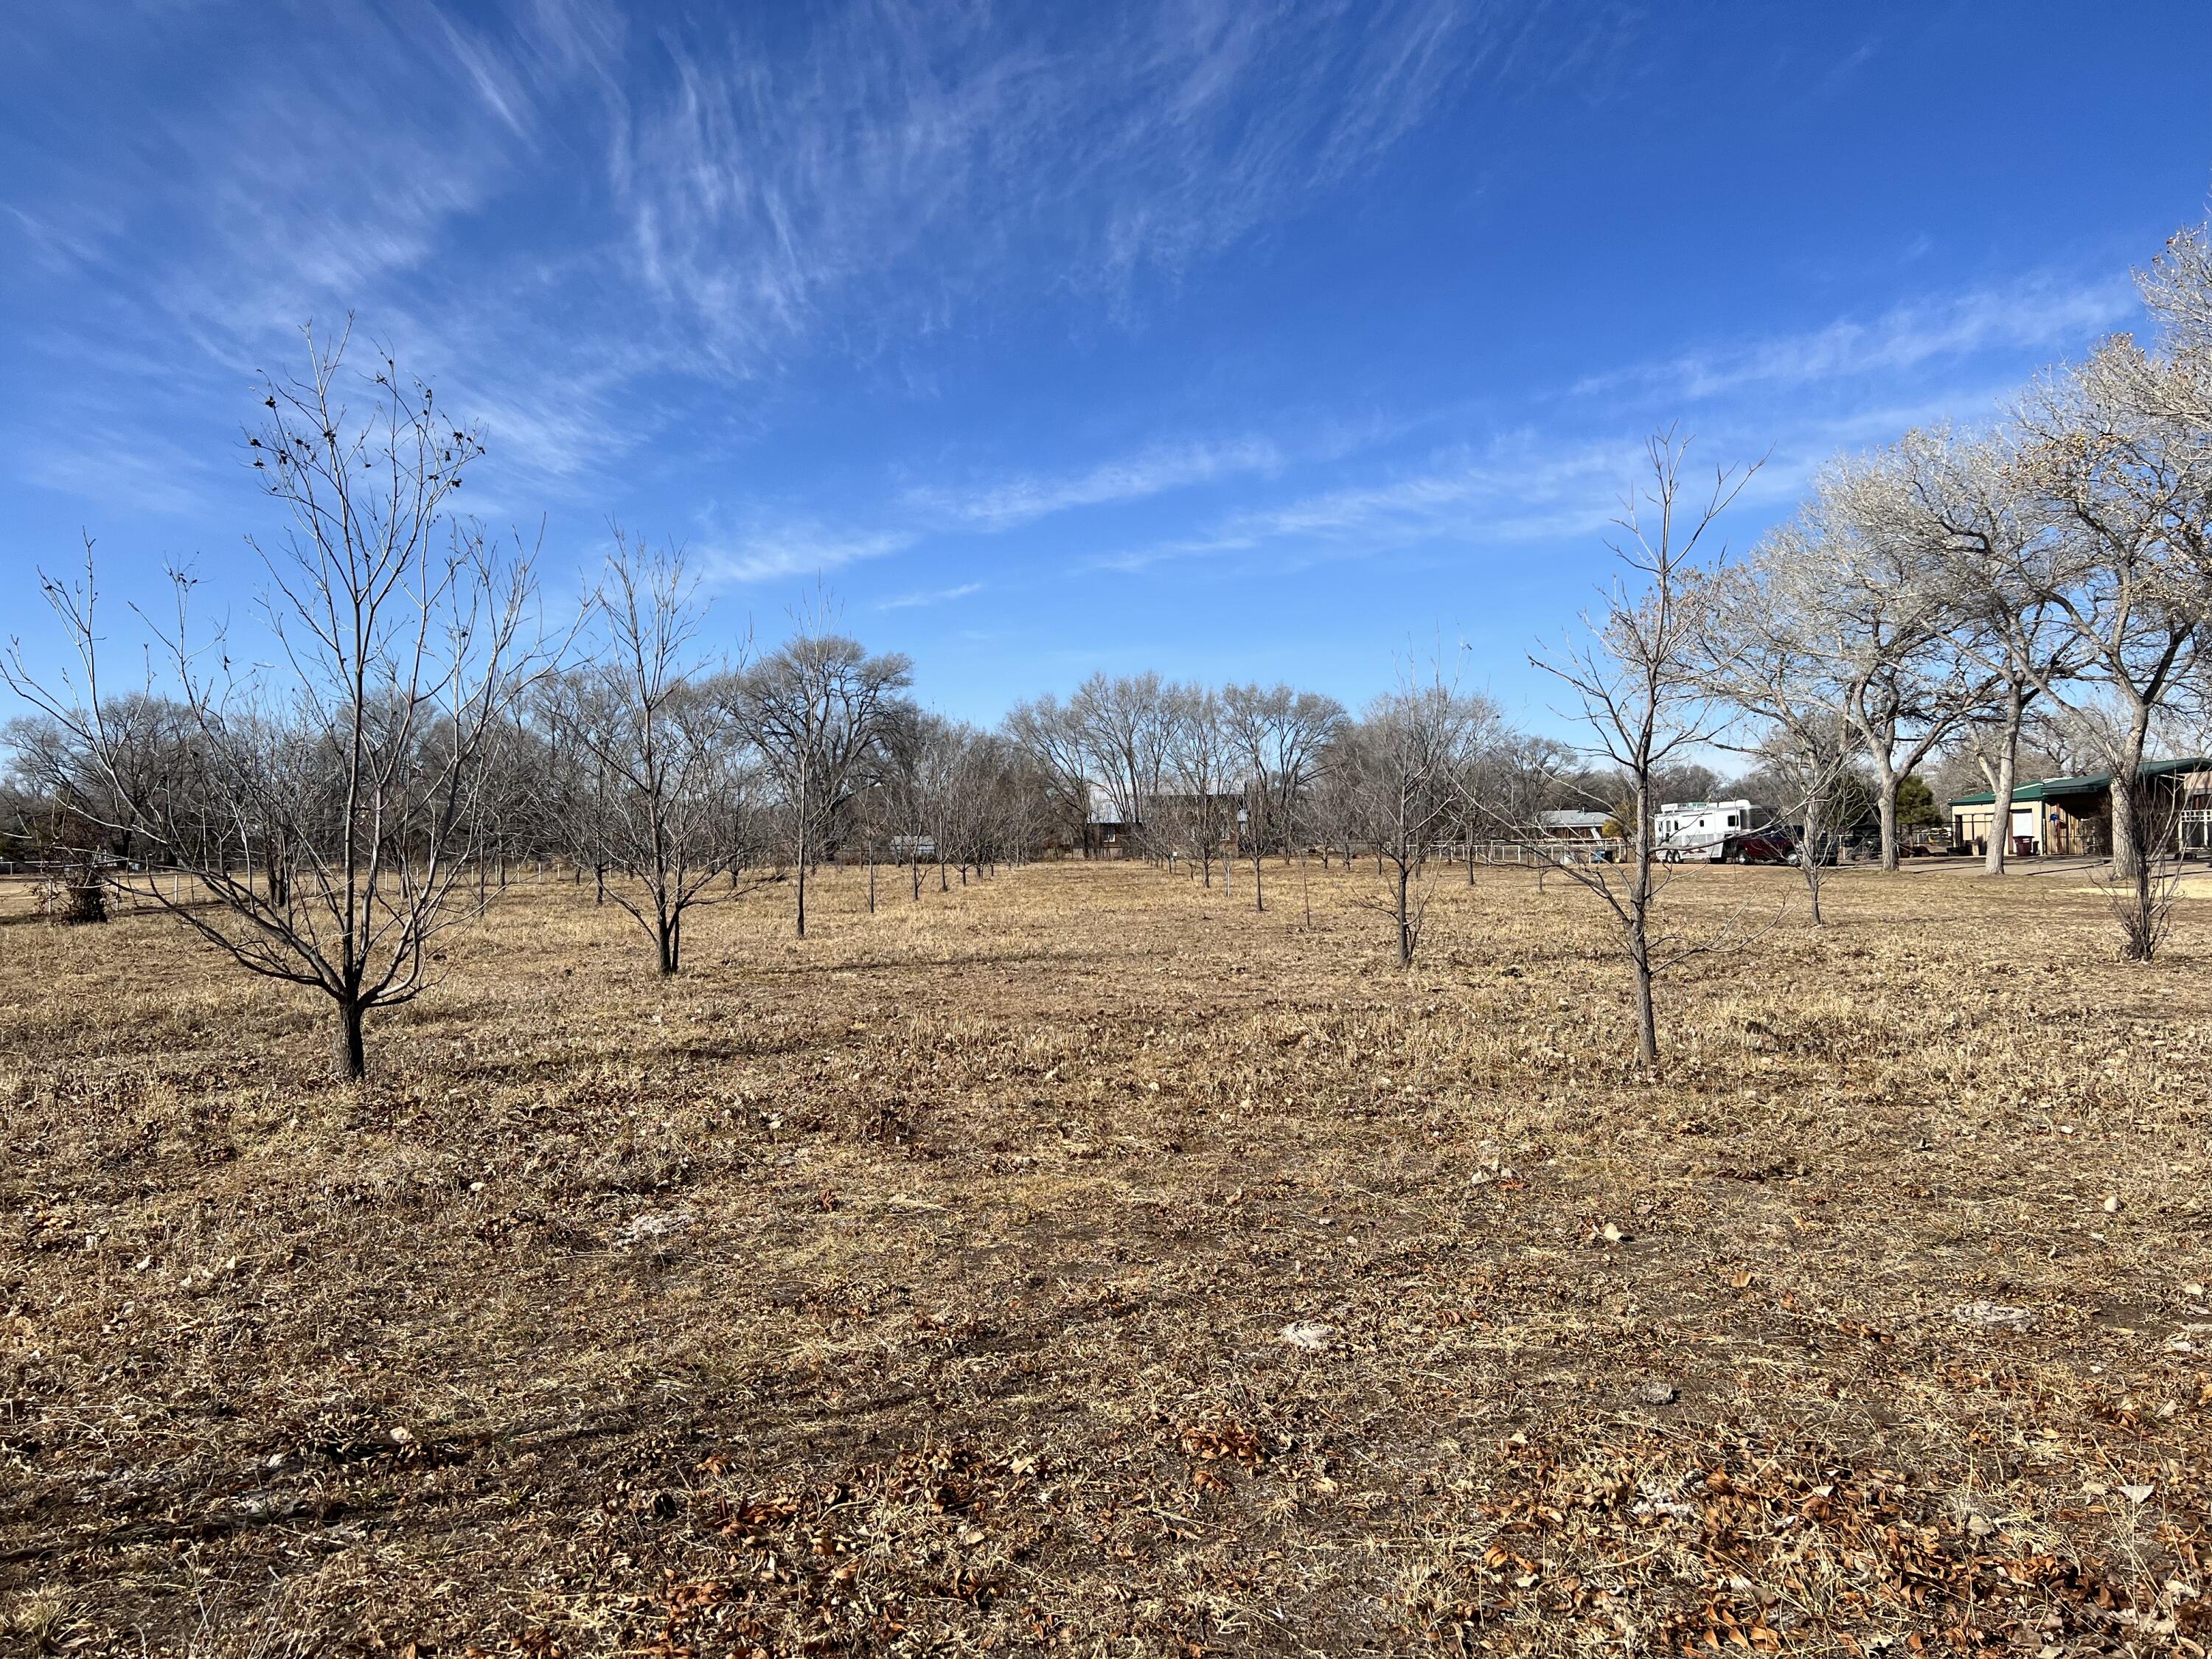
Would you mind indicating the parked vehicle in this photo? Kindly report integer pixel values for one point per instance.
(1776, 844)
(1698, 831)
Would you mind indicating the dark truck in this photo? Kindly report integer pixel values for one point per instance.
(1776, 843)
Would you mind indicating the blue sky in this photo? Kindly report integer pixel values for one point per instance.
(1226, 340)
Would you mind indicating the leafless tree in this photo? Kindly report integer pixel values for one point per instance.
(353, 773)
(1995, 579)
(1752, 658)
(1865, 600)
(1638, 687)
(674, 807)
(1051, 733)
(2144, 887)
(1810, 762)
(1125, 731)
(1398, 774)
(1280, 737)
(2125, 492)
(817, 708)
(1200, 756)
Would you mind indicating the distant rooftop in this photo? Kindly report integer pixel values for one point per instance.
(2086, 783)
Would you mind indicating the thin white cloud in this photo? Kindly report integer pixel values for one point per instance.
(2039, 313)
(899, 161)
(118, 467)
(941, 595)
(1024, 500)
(766, 552)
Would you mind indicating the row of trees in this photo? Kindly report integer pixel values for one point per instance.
(2046, 583)
(1951, 599)
(427, 727)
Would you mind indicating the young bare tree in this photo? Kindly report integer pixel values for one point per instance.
(1810, 763)
(1398, 772)
(1640, 688)
(1200, 758)
(1280, 737)
(2143, 886)
(1751, 658)
(354, 774)
(816, 707)
(676, 809)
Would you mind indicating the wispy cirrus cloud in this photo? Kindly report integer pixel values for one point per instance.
(2040, 313)
(1010, 502)
(736, 192)
(1514, 488)
(938, 596)
(915, 158)
(769, 550)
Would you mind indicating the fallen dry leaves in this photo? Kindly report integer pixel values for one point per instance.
(928, 1288)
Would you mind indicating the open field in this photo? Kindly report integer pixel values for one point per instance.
(922, 1288)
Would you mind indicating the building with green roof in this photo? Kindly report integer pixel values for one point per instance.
(2062, 816)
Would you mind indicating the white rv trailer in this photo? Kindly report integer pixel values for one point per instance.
(1698, 831)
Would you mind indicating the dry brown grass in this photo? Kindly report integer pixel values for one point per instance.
(920, 1288)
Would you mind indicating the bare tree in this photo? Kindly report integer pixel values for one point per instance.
(2126, 491)
(1638, 687)
(1398, 775)
(1866, 600)
(1280, 737)
(816, 707)
(354, 772)
(1200, 757)
(1125, 731)
(1051, 733)
(1963, 497)
(675, 808)
(2144, 887)
(1752, 657)
(1810, 763)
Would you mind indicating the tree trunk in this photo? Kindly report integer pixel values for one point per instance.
(802, 896)
(1647, 1018)
(1993, 859)
(349, 1059)
(1886, 807)
(2126, 835)
(1404, 921)
(871, 878)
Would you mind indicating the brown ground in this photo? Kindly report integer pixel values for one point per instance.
(923, 1288)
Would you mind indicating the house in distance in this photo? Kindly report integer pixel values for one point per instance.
(2060, 817)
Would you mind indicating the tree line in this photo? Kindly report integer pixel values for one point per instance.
(1990, 601)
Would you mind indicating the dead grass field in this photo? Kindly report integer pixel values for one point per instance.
(922, 1288)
